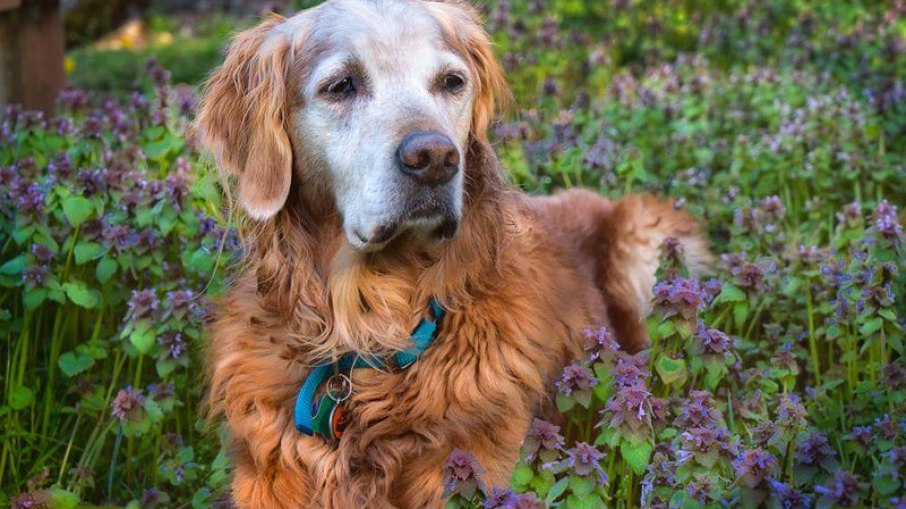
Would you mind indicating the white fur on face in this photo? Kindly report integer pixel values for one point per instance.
(395, 53)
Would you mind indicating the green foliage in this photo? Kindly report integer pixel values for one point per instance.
(102, 308)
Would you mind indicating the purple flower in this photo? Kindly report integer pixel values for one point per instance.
(576, 378)
(549, 87)
(894, 375)
(153, 497)
(158, 392)
(186, 99)
(681, 296)
(118, 237)
(36, 276)
(544, 439)
(712, 341)
(172, 344)
(791, 415)
(763, 432)
(750, 277)
(754, 466)
(844, 490)
(41, 253)
(92, 128)
(815, 451)
(142, 305)
(711, 289)
(602, 346)
(811, 255)
(73, 99)
(887, 427)
(528, 501)
(630, 408)
(128, 404)
(785, 358)
(702, 488)
(851, 215)
(862, 435)
(886, 224)
(27, 501)
(583, 460)
(703, 444)
(29, 201)
(139, 103)
(698, 411)
(897, 457)
(500, 498)
(147, 241)
(159, 75)
(172, 442)
(176, 189)
(789, 497)
(462, 475)
(773, 208)
(661, 472)
(629, 370)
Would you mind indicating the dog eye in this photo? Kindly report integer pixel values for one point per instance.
(453, 82)
(342, 87)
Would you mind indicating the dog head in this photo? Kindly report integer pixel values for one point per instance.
(370, 106)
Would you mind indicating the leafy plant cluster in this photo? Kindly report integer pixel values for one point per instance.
(775, 380)
(111, 236)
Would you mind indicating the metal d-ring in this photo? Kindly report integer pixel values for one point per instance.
(338, 387)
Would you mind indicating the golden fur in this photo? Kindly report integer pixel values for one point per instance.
(520, 281)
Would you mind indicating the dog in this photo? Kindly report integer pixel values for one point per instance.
(356, 132)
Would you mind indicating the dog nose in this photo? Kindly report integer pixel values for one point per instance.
(430, 158)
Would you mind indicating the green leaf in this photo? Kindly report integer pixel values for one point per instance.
(888, 313)
(87, 251)
(79, 293)
(164, 367)
(14, 266)
(73, 363)
(22, 234)
(730, 293)
(77, 209)
(740, 312)
(885, 484)
(106, 269)
(159, 150)
(143, 337)
(556, 490)
(565, 403)
(58, 498)
(871, 326)
(20, 397)
(581, 485)
(587, 501)
(672, 371)
(522, 474)
(201, 261)
(34, 298)
(636, 452)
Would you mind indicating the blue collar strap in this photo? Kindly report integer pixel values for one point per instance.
(324, 415)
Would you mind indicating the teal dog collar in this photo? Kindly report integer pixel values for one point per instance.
(325, 415)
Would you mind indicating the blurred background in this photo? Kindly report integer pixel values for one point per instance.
(781, 124)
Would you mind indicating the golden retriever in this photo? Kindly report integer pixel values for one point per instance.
(357, 131)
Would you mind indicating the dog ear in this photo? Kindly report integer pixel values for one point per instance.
(465, 33)
(243, 118)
